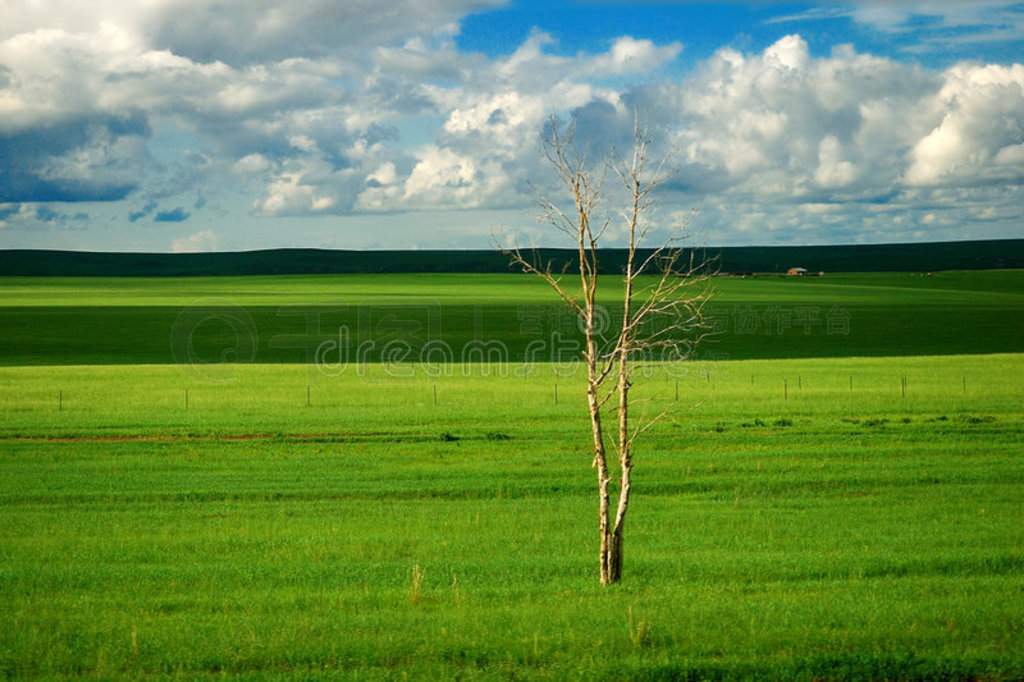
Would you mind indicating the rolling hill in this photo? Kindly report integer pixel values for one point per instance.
(935, 256)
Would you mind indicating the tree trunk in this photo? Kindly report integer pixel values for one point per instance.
(615, 557)
(608, 567)
(611, 556)
(603, 481)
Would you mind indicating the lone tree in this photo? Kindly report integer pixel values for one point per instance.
(661, 301)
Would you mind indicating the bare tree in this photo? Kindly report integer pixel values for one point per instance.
(662, 300)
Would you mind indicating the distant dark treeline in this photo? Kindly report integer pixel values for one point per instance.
(935, 256)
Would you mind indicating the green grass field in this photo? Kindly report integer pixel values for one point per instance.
(796, 518)
(284, 319)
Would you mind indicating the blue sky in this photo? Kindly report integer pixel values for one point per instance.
(190, 125)
(588, 26)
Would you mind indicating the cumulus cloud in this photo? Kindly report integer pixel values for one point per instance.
(760, 136)
(321, 108)
(982, 125)
(850, 125)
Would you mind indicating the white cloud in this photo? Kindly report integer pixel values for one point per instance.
(783, 123)
(441, 178)
(384, 175)
(440, 170)
(196, 243)
(72, 16)
(1011, 155)
(296, 192)
(251, 164)
(501, 117)
(629, 55)
(982, 115)
(833, 172)
(789, 52)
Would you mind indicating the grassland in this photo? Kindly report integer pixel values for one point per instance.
(798, 518)
(285, 319)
